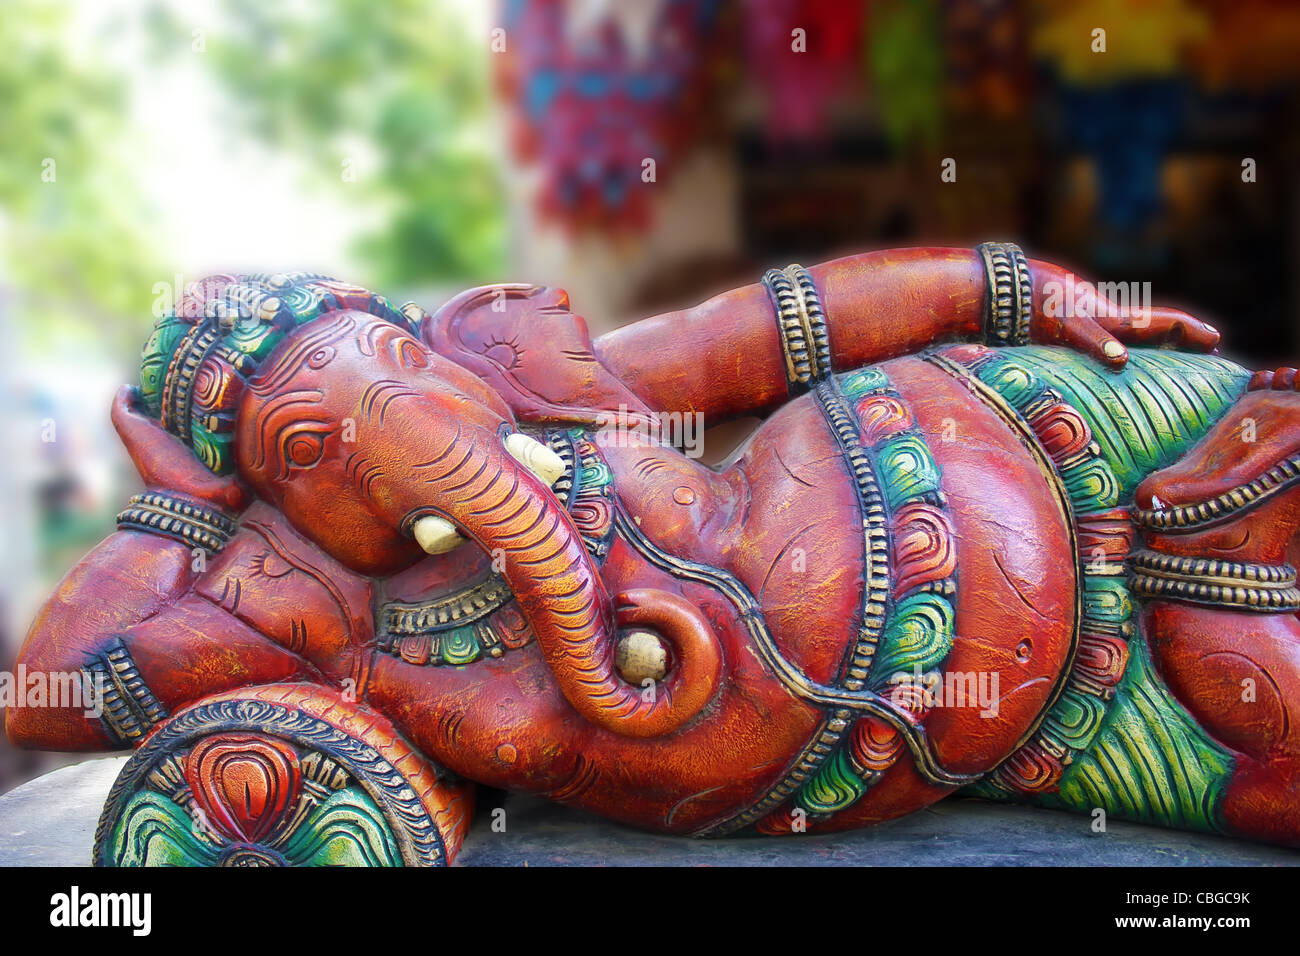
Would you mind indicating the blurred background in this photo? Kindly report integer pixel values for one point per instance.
(643, 154)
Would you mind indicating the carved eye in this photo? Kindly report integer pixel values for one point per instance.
(412, 354)
(303, 445)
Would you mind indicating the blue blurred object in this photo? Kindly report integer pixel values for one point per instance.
(1127, 129)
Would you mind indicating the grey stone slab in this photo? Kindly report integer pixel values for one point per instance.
(961, 832)
(50, 821)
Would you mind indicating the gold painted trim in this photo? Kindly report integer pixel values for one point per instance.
(1248, 587)
(801, 322)
(1008, 299)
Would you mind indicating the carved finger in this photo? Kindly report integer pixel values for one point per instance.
(1088, 337)
(1191, 332)
(164, 461)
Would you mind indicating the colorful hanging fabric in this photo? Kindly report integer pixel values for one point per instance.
(1122, 93)
(906, 70)
(1142, 39)
(1255, 44)
(597, 89)
(986, 46)
(802, 55)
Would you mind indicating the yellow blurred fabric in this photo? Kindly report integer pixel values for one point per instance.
(1144, 38)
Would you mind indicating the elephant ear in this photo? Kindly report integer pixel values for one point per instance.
(525, 342)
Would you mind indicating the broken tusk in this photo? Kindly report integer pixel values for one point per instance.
(641, 656)
(437, 535)
(536, 457)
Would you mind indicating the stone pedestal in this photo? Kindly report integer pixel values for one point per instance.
(51, 820)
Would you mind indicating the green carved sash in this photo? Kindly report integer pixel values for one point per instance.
(1133, 751)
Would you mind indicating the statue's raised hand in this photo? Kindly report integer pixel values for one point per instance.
(165, 463)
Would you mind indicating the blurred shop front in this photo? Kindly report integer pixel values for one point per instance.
(663, 151)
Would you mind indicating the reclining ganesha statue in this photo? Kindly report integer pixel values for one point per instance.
(976, 546)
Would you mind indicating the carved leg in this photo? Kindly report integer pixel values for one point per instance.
(280, 775)
(175, 658)
(1238, 674)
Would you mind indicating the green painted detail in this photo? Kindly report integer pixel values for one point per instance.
(1016, 383)
(862, 382)
(153, 831)
(1091, 486)
(304, 303)
(215, 450)
(907, 470)
(1150, 762)
(1138, 755)
(1107, 599)
(591, 474)
(834, 787)
(346, 829)
(1075, 719)
(1143, 418)
(594, 474)
(917, 639)
(154, 359)
(459, 646)
(254, 338)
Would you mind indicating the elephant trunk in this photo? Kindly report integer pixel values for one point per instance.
(478, 486)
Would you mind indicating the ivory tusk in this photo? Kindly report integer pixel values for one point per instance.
(536, 457)
(437, 535)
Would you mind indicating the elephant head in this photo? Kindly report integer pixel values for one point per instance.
(378, 449)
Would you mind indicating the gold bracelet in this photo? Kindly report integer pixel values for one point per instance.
(177, 519)
(805, 336)
(1008, 299)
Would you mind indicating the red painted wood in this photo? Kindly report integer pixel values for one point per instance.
(353, 429)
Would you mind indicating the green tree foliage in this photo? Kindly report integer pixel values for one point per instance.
(75, 247)
(395, 94)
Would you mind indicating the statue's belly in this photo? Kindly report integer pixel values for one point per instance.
(1017, 595)
(1021, 463)
(962, 582)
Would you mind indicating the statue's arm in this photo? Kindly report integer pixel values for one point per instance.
(134, 574)
(731, 356)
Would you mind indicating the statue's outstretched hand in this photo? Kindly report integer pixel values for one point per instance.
(1072, 312)
(165, 464)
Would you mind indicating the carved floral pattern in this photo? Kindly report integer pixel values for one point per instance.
(266, 781)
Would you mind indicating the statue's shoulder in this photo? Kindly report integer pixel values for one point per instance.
(525, 342)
